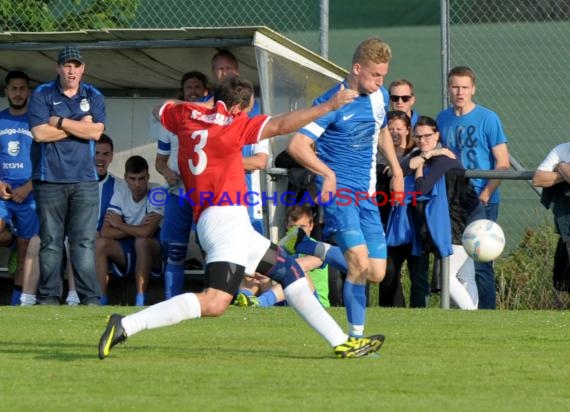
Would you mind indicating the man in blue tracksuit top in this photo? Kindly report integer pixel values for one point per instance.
(67, 117)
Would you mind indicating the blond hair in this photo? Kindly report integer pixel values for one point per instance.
(372, 50)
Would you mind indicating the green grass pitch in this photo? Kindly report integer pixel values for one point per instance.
(269, 360)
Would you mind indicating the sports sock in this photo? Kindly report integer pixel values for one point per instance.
(355, 300)
(299, 296)
(327, 253)
(104, 300)
(16, 293)
(166, 313)
(267, 299)
(174, 271)
(140, 299)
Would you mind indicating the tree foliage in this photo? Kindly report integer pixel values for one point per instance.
(66, 15)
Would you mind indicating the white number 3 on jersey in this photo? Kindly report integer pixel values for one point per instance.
(200, 165)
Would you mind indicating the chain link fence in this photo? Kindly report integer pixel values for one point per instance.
(519, 51)
(297, 19)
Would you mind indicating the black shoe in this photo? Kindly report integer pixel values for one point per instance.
(114, 334)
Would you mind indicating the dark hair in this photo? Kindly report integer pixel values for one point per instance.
(426, 121)
(226, 53)
(233, 90)
(106, 139)
(136, 164)
(403, 116)
(16, 74)
(194, 75)
(296, 212)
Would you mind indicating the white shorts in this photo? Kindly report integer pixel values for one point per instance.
(226, 234)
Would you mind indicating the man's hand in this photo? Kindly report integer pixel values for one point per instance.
(171, 177)
(397, 183)
(21, 193)
(342, 97)
(113, 219)
(329, 188)
(5, 191)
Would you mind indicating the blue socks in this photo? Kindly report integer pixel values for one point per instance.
(267, 299)
(174, 271)
(355, 301)
(16, 293)
(140, 299)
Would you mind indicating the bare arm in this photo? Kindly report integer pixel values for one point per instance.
(161, 166)
(289, 122)
(256, 162)
(115, 228)
(543, 178)
(301, 149)
(309, 263)
(501, 155)
(83, 129)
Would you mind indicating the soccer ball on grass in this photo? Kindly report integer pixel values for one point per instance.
(483, 240)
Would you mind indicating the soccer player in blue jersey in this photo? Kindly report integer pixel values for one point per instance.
(67, 116)
(17, 205)
(476, 135)
(178, 221)
(347, 141)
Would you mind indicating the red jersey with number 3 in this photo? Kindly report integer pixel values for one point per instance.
(209, 152)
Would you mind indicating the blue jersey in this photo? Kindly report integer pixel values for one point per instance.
(69, 160)
(15, 145)
(472, 137)
(347, 139)
(107, 187)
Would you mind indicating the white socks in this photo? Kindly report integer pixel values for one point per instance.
(169, 312)
(299, 296)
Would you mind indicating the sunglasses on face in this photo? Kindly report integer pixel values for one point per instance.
(395, 98)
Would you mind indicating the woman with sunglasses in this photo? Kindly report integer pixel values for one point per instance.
(447, 199)
(390, 289)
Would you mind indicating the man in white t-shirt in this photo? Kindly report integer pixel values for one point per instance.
(553, 175)
(129, 237)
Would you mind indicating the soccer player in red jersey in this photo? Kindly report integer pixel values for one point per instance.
(210, 162)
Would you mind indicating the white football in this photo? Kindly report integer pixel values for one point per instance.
(483, 240)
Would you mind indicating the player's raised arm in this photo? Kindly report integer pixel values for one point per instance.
(289, 122)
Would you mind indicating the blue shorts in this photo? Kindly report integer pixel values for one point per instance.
(177, 220)
(128, 246)
(22, 217)
(353, 225)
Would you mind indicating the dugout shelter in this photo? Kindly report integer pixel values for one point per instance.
(138, 68)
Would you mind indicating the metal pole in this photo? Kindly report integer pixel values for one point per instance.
(445, 52)
(444, 4)
(445, 283)
(324, 29)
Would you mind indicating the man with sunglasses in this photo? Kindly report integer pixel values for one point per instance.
(402, 98)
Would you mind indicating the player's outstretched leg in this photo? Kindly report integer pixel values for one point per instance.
(166, 313)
